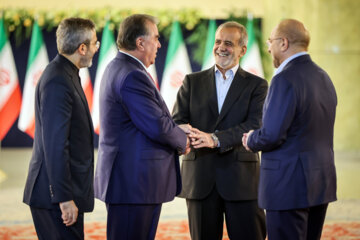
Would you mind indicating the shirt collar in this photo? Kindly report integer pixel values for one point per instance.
(283, 64)
(133, 58)
(231, 70)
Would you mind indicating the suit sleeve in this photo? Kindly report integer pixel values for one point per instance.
(181, 108)
(280, 108)
(143, 106)
(233, 136)
(55, 114)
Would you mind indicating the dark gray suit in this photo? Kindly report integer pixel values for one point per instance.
(230, 170)
(62, 164)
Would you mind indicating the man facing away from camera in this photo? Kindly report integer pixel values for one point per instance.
(297, 174)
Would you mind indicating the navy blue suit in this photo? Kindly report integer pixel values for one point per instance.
(297, 164)
(139, 143)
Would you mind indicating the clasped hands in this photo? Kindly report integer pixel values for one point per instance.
(196, 138)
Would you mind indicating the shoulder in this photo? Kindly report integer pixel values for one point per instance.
(54, 73)
(253, 79)
(200, 76)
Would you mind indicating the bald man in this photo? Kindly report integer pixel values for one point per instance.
(297, 172)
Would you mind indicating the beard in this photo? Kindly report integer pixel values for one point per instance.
(276, 62)
(86, 61)
(224, 62)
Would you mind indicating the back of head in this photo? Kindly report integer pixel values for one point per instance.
(72, 32)
(242, 30)
(295, 32)
(131, 28)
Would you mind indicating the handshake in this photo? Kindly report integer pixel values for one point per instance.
(197, 139)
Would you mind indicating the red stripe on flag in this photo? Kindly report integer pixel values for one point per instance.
(10, 112)
(97, 129)
(88, 90)
(31, 128)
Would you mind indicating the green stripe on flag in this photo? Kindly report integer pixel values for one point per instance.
(3, 37)
(250, 32)
(35, 45)
(210, 41)
(176, 39)
(107, 40)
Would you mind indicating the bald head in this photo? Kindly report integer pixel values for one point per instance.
(295, 32)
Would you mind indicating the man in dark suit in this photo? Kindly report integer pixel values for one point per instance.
(59, 186)
(138, 166)
(297, 175)
(219, 176)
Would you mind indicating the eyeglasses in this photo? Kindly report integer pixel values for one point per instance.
(270, 40)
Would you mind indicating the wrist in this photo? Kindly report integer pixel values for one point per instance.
(215, 140)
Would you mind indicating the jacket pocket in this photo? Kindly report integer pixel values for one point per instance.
(247, 156)
(270, 164)
(188, 157)
(154, 154)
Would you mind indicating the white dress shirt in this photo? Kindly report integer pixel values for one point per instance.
(223, 85)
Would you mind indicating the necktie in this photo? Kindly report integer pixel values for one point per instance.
(155, 82)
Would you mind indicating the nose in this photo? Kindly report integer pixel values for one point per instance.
(159, 44)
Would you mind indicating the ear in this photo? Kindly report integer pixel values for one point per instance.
(285, 44)
(82, 49)
(140, 43)
(243, 51)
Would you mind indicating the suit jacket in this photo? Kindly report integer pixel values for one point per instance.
(139, 142)
(296, 140)
(62, 163)
(231, 168)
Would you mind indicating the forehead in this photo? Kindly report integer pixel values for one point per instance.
(93, 34)
(152, 28)
(229, 34)
(274, 32)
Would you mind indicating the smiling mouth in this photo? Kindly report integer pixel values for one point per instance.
(222, 54)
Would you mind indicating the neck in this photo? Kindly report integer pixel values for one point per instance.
(134, 53)
(74, 59)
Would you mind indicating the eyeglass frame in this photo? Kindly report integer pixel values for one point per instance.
(269, 40)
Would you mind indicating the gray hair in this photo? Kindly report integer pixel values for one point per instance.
(131, 28)
(242, 30)
(72, 32)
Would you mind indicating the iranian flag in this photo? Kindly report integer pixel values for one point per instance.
(177, 65)
(108, 51)
(37, 61)
(209, 59)
(152, 71)
(86, 85)
(10, 93)
(251, 62)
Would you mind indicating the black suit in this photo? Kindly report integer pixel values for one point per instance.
(228, 174)
(62, 164)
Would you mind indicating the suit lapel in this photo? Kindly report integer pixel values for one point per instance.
(211, 91)
(238, 84)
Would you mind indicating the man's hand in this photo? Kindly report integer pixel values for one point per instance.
(188, 146)
(201, 139)
(186, 128)
(245, 139)
(69, 212)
